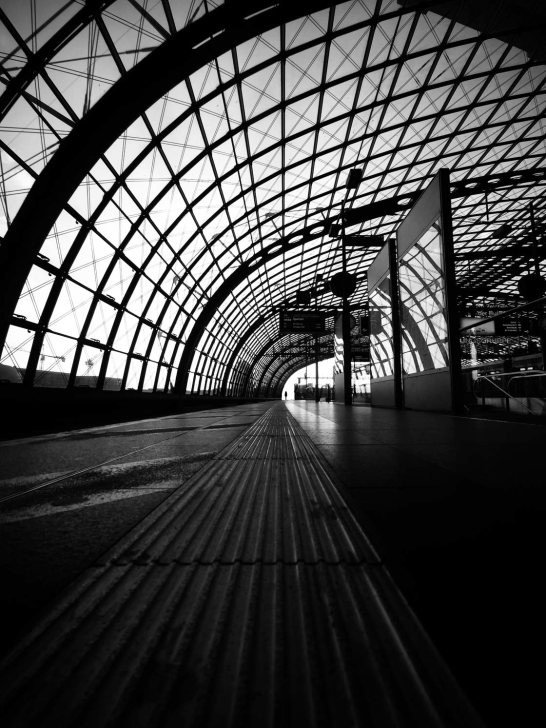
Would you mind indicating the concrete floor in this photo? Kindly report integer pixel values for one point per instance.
(454, 506)
(101, 482)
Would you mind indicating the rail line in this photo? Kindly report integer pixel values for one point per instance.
(75, 473)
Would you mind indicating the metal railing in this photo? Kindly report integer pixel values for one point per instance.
(519, 391)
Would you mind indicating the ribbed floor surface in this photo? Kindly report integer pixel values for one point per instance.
(249, 598)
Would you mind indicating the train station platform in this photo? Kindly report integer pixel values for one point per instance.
(274, 564)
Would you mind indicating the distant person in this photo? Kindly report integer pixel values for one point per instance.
(328, 393)
(286, 395)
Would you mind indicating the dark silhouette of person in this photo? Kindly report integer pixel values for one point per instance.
(286, 395)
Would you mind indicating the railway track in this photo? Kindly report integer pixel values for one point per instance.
(80, 471)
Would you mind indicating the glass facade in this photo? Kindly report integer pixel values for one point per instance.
(381, 346)
(224, 188)
(423, 305)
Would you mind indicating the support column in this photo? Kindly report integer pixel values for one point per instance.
(346, 330)
(317, 392)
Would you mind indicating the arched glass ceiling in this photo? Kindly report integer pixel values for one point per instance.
(170, 245)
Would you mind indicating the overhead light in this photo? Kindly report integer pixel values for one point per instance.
(354, 178)
(343, 284)
(303, 298)
(502, 232)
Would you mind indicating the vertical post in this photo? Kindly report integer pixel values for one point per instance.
(346, 329)
(396, 325)
(534, 235)
(317, 391)
(454, 345)
(345, 320)
(540, 307)
(353, 181)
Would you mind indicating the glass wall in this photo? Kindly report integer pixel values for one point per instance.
(381, 341)
(423, 305)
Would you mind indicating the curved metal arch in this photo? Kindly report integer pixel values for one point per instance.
(288, 368)
(312, 158)
(279, 373)
(389, 207)
(235, 353)
(275, 388)
(146, 215)
(206, 38)
(15, 87)
(268, 344)
(241, 343)
(117, 254)
(296, 341)
(153, 144)
(459, 189)
(361, 214)
(237, 277)
(293, 138)
(145, 212)
(156, 289)
(307, 234)
(196, 106)
(270, 375)
(140, 271)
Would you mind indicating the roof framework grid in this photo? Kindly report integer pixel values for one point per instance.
(169, 172)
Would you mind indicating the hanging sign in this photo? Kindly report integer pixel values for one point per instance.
(310, 322)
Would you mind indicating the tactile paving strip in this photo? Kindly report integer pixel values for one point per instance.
(250, 597)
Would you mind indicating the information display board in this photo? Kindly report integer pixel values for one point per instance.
(360, 350)
(310, 322)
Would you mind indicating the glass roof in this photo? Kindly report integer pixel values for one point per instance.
(167, 261)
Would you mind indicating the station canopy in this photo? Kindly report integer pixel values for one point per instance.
(171, 172)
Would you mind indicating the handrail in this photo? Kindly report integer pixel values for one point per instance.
(512, 376)
(532, 375)
(486, 378)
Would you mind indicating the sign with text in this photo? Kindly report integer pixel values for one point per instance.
(487, 328)
(360, 352)
(309, 322)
